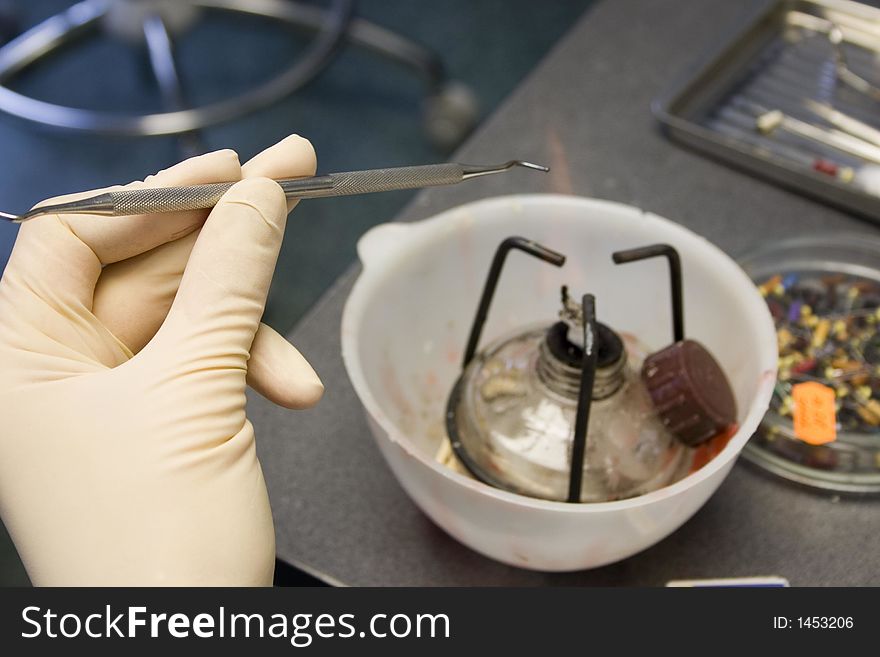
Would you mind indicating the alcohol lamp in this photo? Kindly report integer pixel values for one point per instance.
(569, 411)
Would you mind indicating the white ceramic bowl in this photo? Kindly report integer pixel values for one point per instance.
(406, 322)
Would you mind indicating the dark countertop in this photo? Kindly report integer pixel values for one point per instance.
(340, 514)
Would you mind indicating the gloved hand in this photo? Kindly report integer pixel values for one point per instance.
(125, 347)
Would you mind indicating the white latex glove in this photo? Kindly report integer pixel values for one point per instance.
(125, 347)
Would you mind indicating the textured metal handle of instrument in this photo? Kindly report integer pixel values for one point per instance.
(168, 199)
(382, 180)
(197, 197)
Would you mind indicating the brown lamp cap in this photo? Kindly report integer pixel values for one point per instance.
(690, 391)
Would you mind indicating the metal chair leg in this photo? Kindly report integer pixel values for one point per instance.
(160, 48)
(61, 28)
(450, 109)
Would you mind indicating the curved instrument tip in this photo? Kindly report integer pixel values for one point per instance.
(528, 165)
(473, 170)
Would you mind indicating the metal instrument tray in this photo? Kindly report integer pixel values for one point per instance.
(778, 61)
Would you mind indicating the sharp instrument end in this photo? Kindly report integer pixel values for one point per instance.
(528, 165)
(14, 218)
(30, 214)
(473, 171)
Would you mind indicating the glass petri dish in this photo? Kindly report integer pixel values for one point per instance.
(824, 295)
